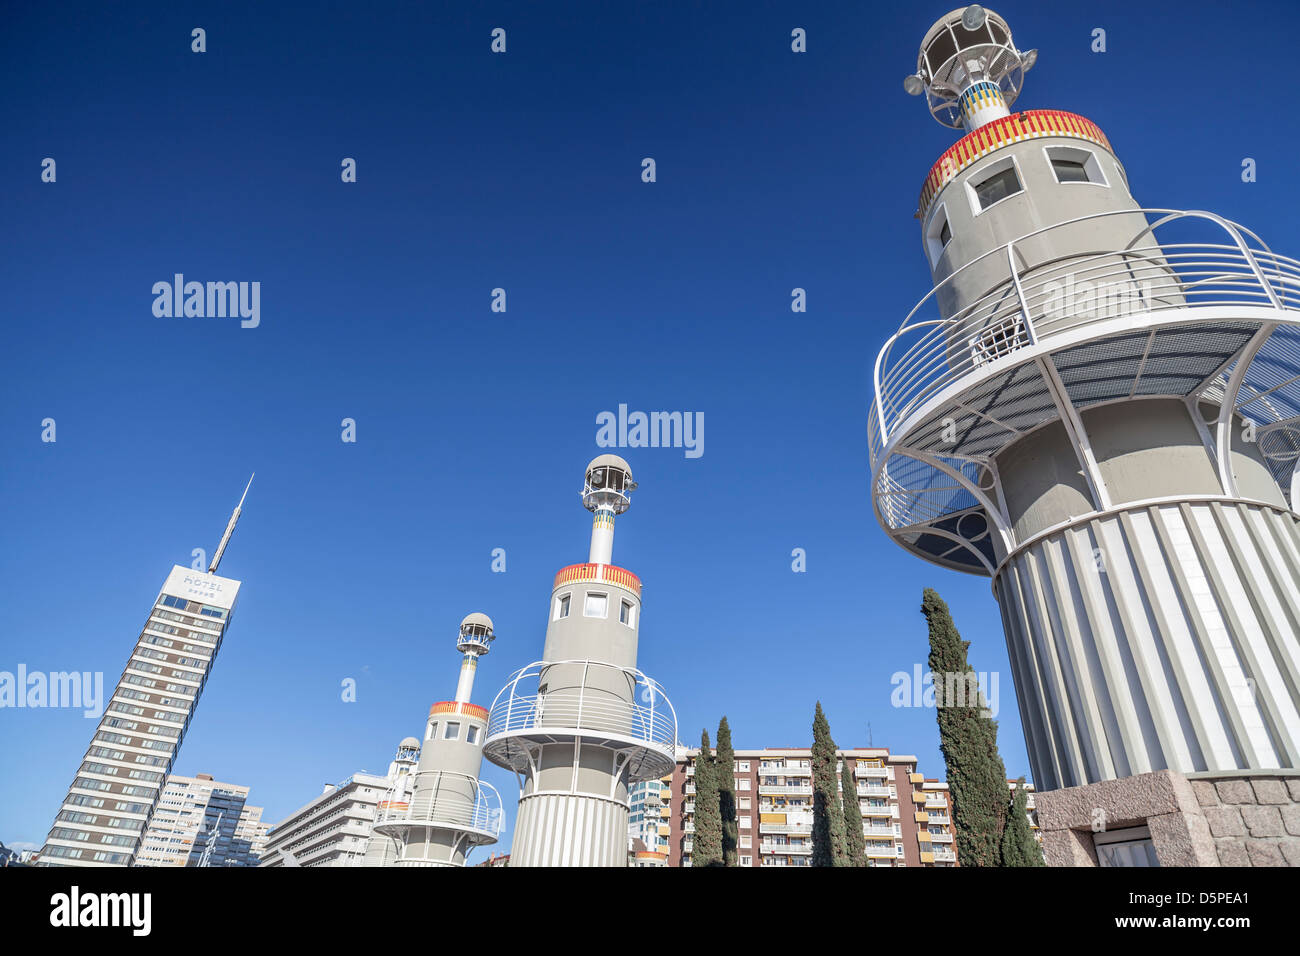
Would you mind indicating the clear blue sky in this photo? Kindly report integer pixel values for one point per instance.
(520, 171)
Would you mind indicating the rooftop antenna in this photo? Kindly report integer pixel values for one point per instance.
(230, 528)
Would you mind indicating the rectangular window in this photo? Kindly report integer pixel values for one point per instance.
(997, 187)
(452, 731)
(1068, 171)
(945, 234)
(627, 613)
(597, 605)
(561, 606)
(471, 735)
(432, 731)
(1070, 164)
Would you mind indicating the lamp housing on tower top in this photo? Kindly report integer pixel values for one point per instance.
(608, 485)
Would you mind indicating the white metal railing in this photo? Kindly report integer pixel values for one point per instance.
(458, 802)
(784, 789)
(796, 828)
(792, 849)
(927, 355)
(861, 771)
(585, 698)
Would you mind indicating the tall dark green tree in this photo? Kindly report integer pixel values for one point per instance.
(707, 846)
(1019, 846)
(855, 843)
(968, 738)
(724, 767)
(828, 814)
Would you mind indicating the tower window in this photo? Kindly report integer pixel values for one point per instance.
(627, 613)
(432, 732)
(452, 731)
(561, 606)
(471, 735)
(1073, 165)
(937, 235)
(997, 187)
(597, 605)
(1068, 171)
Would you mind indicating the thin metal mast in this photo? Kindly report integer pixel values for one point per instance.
(230, 528)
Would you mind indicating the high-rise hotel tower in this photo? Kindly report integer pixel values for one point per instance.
(108, 806)
(583, 723)
(1097, 407)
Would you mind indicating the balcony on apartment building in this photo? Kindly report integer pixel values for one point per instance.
(786, 849)
(786, 789)
(878, 772)
(873, 790)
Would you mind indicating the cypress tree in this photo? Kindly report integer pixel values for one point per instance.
(724, 767)
(707, 849)
(855, 842)
(1019, 847)
(968, 738)
(828, 814)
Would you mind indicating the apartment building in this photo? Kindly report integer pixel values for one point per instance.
(331, 830)
(199, 821)
(774, 808)
(650, 805)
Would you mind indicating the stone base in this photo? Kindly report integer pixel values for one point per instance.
(1245, 818)
(1254, 818)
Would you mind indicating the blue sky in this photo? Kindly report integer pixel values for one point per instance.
(519, 171)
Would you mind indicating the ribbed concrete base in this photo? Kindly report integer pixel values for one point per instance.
(1160, 637)
(428, 863)
(565, 829)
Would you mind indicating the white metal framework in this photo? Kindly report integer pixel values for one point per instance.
(961, 50)
(617, 708)
(1210, 319)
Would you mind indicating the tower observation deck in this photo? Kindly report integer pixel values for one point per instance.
(1097, 405)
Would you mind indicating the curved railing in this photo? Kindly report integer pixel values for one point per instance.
(583, 698)
(449, 809)
(1038, 301)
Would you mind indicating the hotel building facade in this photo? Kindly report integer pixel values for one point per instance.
(119, 780)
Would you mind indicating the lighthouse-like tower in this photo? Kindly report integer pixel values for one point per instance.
(450, 810)
(583, 723)
(382, 849)
(1096, 406)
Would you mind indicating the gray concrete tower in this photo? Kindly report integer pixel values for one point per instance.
(450, 811)
(582, 723)
(1096, 406)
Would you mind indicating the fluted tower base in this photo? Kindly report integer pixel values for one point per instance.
(1157, 637)
(570, 829)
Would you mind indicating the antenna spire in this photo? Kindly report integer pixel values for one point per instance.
(230, 527)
